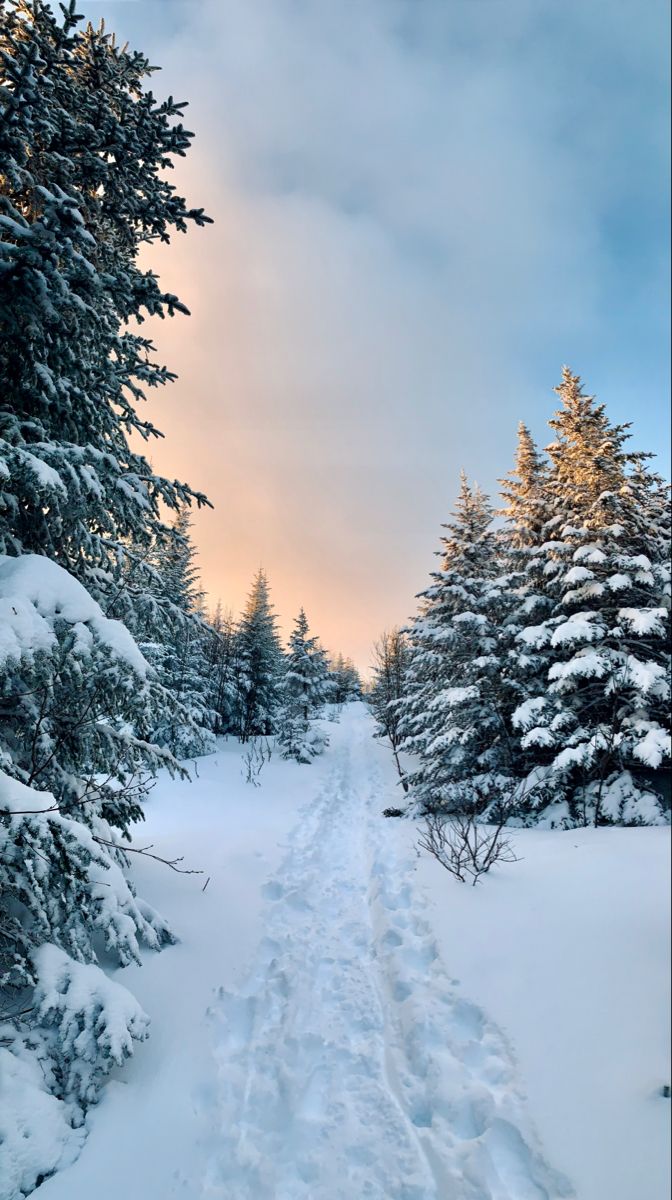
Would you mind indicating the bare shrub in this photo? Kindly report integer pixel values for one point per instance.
(464, 847)
(254, 759)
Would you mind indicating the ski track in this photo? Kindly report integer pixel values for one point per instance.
(349, 1066)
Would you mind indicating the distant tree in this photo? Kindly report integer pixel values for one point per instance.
(223, 670)
(180, 644)
(303, 694)
(261, 661)
(345, 680)
(388, 689)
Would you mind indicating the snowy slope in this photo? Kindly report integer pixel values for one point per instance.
(309, 1035)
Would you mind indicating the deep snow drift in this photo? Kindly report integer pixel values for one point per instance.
(342, 1019)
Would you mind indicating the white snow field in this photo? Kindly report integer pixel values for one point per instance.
(343, 1021)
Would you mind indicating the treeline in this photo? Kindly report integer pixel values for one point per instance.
(232, 676)
(534, 680)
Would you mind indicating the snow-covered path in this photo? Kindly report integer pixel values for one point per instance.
(309, 1039)
(348, 1064)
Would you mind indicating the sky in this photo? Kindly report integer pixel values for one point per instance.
(423, 209)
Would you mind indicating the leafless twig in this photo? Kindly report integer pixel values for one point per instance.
(464, 847)
(144, 851)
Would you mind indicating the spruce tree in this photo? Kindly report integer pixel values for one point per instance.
(261, 659)
(388, 690)
(179, 644)
(345, 680)
(83, 151)
(525, 491)
(601, 722)
(303, 694)
(453, 716)
(83, 147)
(223, 670)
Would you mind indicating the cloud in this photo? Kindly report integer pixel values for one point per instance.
(423, 208)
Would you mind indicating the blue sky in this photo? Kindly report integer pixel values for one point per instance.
(423, 209)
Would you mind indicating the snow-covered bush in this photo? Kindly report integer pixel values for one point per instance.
(37, 1134)
(74, 690)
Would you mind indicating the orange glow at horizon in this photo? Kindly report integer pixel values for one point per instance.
(273, 506)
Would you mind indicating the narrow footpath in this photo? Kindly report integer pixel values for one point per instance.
(348, 1065)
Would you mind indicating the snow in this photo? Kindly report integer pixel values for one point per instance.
(655, 746)
(343, 1019)
(528, 712)
(586, 664)
(580, 627)
(17, 797)
(569, 948)
(577, 575)
(46, 476)
(618, 582)
(589, 554)
(644, 621)
(34, 1127)
(645, 676)
(89, 1010)
(35, 592)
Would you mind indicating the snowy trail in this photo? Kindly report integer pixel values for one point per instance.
(348, 1064)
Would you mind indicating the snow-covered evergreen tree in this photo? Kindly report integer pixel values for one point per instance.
(453, 716)
(526, 509)
(223, 670)
(83, 152)
(601, 723)
(180, 644)
(525, 492)
(346, 683)
(261, 660)
(76, 701)
(83, 147)
(303, 695)
(388, 690)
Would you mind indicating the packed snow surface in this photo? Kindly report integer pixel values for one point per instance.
(344, 1020)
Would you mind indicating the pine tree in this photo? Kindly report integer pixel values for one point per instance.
(453, 715)
(179, 645)
(525, 490)
(83, 152)
(388, 690)
(345, 680)
(223, 670)
(527, 509)
(83, 148)
(603, 715)
(76, 703)
(260, 655)
(303, 694)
